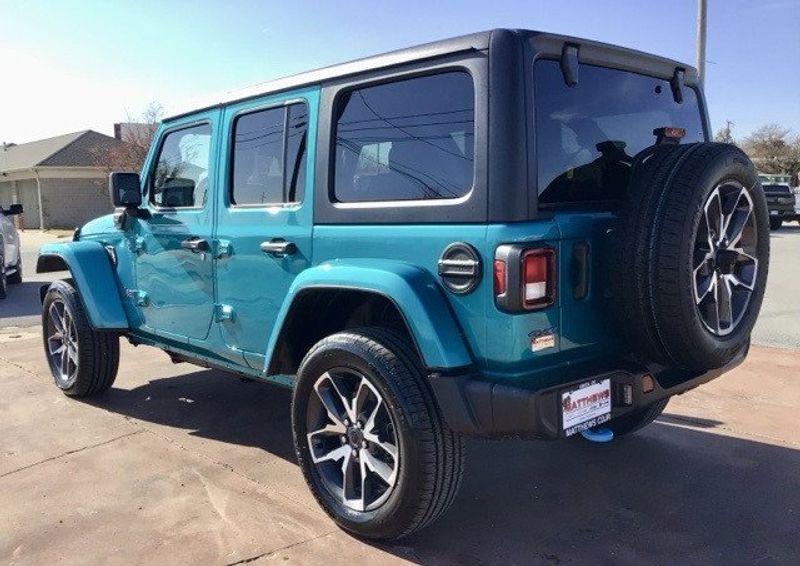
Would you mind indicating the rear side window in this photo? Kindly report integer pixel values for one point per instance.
(269, 154)
(180, 176)
(411, 139)
(588, 135)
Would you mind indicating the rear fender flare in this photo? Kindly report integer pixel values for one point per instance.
(413, 291)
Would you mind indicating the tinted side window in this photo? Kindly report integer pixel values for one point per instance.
(180, 176)
(269, 155)
(411, 139)
(588, 135)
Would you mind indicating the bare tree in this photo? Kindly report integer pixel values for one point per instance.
(774, 150)
(137, 133)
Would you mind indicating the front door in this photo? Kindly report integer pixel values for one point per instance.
(174, 266)
(264, 217)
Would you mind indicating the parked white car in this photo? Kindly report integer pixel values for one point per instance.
(10, 258)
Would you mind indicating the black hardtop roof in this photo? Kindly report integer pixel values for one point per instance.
(473, 42)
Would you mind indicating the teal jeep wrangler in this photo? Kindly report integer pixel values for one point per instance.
(509, 233)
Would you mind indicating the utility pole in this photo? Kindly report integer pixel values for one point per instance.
(701, 39)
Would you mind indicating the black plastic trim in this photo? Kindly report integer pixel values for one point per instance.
(580, 270)
(478, 407)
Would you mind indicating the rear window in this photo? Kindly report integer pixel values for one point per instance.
(778, 189)
(588, 135)
(410, 139)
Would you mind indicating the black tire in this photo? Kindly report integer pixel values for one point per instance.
(775, 223)
(97, 352)
(631, 422)
(660, 224)
(430, 460)
(16, 277)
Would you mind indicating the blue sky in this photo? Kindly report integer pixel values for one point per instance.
(67, 66)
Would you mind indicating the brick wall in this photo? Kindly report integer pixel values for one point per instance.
(69, 203)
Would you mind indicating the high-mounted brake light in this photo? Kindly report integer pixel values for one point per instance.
(524, 277)
(669, 135)
(538, 277)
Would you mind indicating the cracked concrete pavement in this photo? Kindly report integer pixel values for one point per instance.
(181, 465)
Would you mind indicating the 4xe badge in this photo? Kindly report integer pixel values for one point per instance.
(542, 339)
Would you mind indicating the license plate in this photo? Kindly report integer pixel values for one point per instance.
(586, 406)
(773, 212)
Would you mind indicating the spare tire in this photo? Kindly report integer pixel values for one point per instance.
(692, 256)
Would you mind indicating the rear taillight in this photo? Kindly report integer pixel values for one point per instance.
(524, 277)
(499, 277)
(538, 278)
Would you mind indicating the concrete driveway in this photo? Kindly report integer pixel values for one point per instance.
(181, 465)
(22, 307)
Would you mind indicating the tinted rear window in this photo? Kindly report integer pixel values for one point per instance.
(410, 139)
(777, 189)
(588, 135)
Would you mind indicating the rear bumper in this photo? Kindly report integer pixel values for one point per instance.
(781, 209)
(474, 406)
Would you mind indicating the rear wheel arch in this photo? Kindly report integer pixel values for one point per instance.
(332, 310)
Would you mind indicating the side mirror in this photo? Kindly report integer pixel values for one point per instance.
(14, 209)
(126, 190)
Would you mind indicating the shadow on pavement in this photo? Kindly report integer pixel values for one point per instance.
(673, 492)
(22, 300)
(212, 405)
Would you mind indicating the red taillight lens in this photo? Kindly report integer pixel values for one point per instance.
(538, 278)
(499, 277)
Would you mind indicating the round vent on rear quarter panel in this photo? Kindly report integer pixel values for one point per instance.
(460, 268)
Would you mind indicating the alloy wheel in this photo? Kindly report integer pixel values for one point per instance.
(725, 265)
(353, 441)
(62, 342)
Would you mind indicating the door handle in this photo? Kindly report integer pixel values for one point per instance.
(195, 244)
(278, 248)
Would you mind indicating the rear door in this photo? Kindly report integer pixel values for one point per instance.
(174, 264)
(264, 216)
